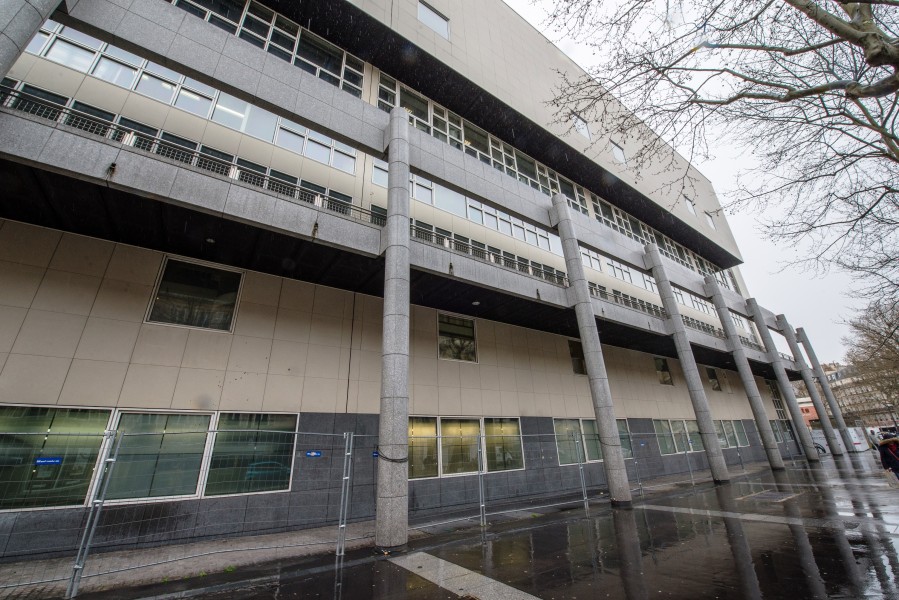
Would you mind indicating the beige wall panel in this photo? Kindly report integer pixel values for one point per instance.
(22, 66)
(107, 340)
(3, 357)
(185, 124)
(45, 333)
(255, 320)
(20, 283)
(93, 383)
(424, 370)
(122, 300)
(198, 389)
(424, 400)
(160, 345)
(55, 77)
(144, 110)
(243, 391)
(249, 354)
(134, 265)
(372, 332)
(472, 403)
(370, 368)
(448, 373)
(297, 295)
(315, 172)
(323, 361)
(64, 292)
(286, 161)
(29, 379)
(82, 254)
(101, 94)
(332, 302)
(207, 350)
(449, 401)
(221, 138)
(255, 150)
(292, 325)
(27, 244)
(325, 331)
(288, 358)
(369, 398)
(260, 288)
(320, 395)
(342, 182)
(11, 319)
(283, 394)
(424, 319)
(148, 386)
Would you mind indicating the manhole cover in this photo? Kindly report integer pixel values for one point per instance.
(771, 496)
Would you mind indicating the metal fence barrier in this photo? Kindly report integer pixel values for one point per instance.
(197, 495)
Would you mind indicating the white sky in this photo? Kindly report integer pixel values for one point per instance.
(816, 303)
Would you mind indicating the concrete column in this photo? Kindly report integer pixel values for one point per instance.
(786, 389)
(825, 387)
(19, 21)
(688, 364)
(809, 381)
(713, 290)
(392, 517)
(613, 459)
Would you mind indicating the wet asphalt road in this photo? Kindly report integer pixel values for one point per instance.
(831, 532)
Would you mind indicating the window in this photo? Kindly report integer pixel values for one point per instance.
(580, 125)
(456, 338)
(193, 102)
(710, 220)
(433, 19)
(459, 439)
(115, 72)
(156, 88)
(379, 173)
(618, 153)
(195, 295)
(578, 364)
(71, 55)
(159, 455)
(251, 453)
(569, 430)
(712, 374)
(48, 455)
(664, 436)
(677, 436)
(663, 371)
(691, 206)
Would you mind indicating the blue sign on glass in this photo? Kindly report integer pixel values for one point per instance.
(313, 453)
(48, 460)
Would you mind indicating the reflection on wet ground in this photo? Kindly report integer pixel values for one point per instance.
(830, 532)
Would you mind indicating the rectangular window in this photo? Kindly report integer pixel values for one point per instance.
(712, 374)
(422, 447)
(578, 363)
(775, 427)
(379, 174)
(695, 439)
(48, 455)
(450, 201)
(251, 453)
(502, 442)
(710, 220)
(70, 55)
(730, 434)
(592, 446)
(580, 125)
(663, 371)
(156, 88)
(456, 338)
(459, 440)
(567, 431)
(624, 434)
(115, 72)
(195, 295)
(740, 431)
(290, 140)
(664, 436)
(433, 19)
(691, 206)
(722, 437)
(618, 153)
(193, 102)
(159, 455)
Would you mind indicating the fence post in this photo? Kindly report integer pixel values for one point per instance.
(345, 492)
(96, 508)
(687, 448)
(481, 501)
(580, 466)
(740, 455)
(636, 464)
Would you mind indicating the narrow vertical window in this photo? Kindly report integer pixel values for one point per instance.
(713, 378)
(433, 19)
(578, 363)
(580, 125)
(663, 371)
(456, 338)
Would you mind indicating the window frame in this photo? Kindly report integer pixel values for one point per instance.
(159, 276)
(474, 330)
(433, 13)
(660, 361)
(583, 436)
(482, 439)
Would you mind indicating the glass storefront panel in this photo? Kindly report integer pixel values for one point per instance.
(567, 431)
(422, 447)
(48, 455)
(502, 438)
(251, 453)
(592, 444)
(459, 445)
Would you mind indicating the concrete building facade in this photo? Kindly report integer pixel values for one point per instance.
(224, 217)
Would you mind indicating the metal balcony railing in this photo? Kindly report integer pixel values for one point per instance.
(703, 327)
(786, 356)
(19, 101)
(750, 344)
(621, 299)
(485, 255)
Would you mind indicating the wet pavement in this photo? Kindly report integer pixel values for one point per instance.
(829, 532)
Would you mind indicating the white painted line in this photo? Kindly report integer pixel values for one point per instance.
(456, 579)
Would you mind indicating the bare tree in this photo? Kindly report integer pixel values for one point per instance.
(873, 350)
(810, 87)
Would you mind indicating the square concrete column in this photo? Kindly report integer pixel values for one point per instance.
(613, 459)
(688, 364)
(392, 516)
(809, 381)
(783, 382)
(713, 290)
(19, 21)
(835, 409)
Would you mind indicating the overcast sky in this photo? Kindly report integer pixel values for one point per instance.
(817, 303)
